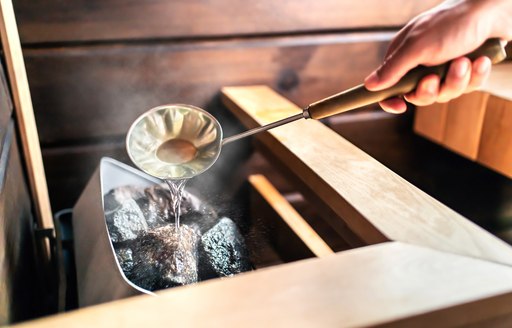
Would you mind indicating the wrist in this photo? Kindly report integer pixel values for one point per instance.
(497, 14)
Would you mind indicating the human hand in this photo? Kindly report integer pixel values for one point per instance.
(446, 32)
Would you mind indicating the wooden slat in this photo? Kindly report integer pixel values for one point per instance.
(290, 216)
(25, 115)
(496, 141)
(475, 125)
(381, 284)
(430, 121)
(317, 202)
(464, 122)
(98, 91)
(376, 203)
(57, 21)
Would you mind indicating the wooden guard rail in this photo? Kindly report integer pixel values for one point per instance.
(375, 203)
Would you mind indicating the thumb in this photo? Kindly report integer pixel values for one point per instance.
(395, 66)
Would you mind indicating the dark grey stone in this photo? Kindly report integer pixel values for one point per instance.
(125, 222)
(162, 259)
(223, 249)
(141, 226)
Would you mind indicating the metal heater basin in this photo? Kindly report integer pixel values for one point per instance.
(100, 272)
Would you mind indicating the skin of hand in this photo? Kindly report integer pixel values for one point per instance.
(444, 33)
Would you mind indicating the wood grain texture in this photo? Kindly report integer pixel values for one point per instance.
(57, 21)
(461, 125)
(6, 106)
(496, 141)
(430, 121)
(21, 290)
(290, 216)
(24, 115)
(364, 287)
(317, 202)
(464, 122)
(68, 169)
(98, 91)
(472, 190)
(375, 203)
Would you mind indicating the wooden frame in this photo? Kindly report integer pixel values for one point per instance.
(25, 115)
(430, 266)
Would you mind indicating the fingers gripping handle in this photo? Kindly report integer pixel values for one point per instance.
(359, 96)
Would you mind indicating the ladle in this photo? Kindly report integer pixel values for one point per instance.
(181, 141)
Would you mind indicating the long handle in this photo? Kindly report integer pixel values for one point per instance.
(360, 96)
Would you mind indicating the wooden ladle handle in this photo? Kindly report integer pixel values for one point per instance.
(360, 96)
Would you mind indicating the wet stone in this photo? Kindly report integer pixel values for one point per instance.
(163, 259)
(156, 205)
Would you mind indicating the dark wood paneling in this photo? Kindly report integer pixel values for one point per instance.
(68, 170)
(98, 91)
(20, 298)
(5, 102)
(85, 20)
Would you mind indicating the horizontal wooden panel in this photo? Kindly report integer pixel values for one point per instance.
(85, 20)
(391, 284)
(98, 91)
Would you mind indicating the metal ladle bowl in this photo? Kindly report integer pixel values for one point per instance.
(174, 141)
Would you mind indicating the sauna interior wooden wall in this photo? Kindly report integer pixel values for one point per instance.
(93, 67)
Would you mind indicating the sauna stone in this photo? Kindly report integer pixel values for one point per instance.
(160, 261)
(126, 221)
(223, 249)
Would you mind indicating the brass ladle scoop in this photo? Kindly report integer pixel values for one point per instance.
(182, 141)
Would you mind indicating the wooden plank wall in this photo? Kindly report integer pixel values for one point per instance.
(94, 66)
